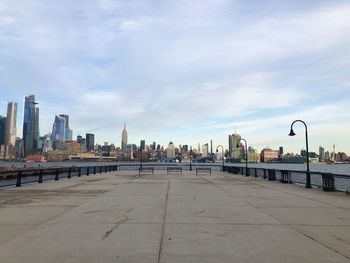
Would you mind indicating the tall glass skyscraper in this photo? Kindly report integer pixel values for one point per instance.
(2, 129)
(68, 131)
(59, 129)
(30, 125)
(90, 142)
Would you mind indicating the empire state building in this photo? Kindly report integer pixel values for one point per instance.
(124, 138)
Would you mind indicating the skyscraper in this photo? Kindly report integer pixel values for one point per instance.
(235, 147)
(170, 151)
(124, 138)
(321, 154)
(11, 129)
(30, 125)
(205, 150)
(90, 142)
(59, 129)
(2, 129)
(142, 144)
(68, 134)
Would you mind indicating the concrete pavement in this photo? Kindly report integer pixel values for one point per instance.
(172, 218)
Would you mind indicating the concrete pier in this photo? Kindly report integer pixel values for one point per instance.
(119, 217)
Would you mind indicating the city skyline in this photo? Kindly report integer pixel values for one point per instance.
(187, 72)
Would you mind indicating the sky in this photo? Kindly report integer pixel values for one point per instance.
(182, 71)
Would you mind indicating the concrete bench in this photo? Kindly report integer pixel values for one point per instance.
(146, 169)
(203, 170)
(174, 170)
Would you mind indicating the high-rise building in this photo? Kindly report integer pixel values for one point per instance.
(170, 151)
(142, 144)
(30, 125)
(154, 146)
(81, 140)
(229, 144)
(205, 150)
(235, 146)
(11, 130)
(321, 154)
(124, 138)
(59, 129)
(90, 141)
(2, 129)
(68, 134)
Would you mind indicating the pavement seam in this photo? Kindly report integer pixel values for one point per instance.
(160, 252)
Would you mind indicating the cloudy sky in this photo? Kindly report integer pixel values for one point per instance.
(186, 71)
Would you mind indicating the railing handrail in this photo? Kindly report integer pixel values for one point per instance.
(338, 175)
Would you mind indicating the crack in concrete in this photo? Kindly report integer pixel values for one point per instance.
(117, 224)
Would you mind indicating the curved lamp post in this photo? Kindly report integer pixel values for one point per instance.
(140, 158)
(246, 155)
(291, 133)
(222, 152)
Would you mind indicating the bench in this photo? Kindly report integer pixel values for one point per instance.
(203, 170)
(146, 169)
(174, 169)
(285, 177)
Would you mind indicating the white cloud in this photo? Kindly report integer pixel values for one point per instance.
(176, 63)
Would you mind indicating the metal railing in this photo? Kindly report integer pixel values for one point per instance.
(328, 181)
(18, 176)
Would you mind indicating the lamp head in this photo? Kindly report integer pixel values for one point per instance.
(291, 133)
(217, 150)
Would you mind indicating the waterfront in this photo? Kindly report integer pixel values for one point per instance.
(343, 169)
(298, 177)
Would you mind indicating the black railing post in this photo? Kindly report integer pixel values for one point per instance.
(40, 176)
(57, 173)
(69, 173)
(18, 183)
(87, 171)
(94, 169)
(79, 173)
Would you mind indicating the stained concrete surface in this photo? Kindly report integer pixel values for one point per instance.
(118, 217)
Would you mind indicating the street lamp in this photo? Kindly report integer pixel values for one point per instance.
(246, 155)
(222, 154)
(291, 133)
(140, 158)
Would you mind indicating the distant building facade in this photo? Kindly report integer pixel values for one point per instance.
(90, 141)
(205, 150)
(30, 125)
(124, 139)
(170, 151)
(268, 155)
(59, 129)
(11, 124)
(235, 147)
(68, 133)
(142, 145)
